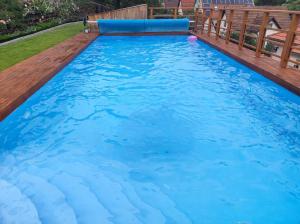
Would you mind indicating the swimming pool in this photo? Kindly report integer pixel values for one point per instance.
(152, 129)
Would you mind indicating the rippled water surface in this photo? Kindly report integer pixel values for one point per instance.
(152, 130)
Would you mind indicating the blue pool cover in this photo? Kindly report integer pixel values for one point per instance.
(142, 25)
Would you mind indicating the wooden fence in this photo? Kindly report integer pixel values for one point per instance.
(134, 12)
(275, 33)
(175, 13)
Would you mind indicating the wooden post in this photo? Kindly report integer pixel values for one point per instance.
(196, 20)
(175, 13)
(229, 26)
(289, 41)
(203, 21)
(219, 23)
(243, 30)
(151, 13)
(209, 21)
(262, 33)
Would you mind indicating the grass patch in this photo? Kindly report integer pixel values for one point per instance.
(13, 53)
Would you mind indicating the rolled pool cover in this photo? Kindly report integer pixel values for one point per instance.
(107, 26)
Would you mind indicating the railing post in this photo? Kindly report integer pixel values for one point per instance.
(262, 33)
(209, 21)
(289, 41)
(151, 13)
(229, 26)
(196, 20)
(203, 21)
(243, 30)
(175, 13)
(219, 23)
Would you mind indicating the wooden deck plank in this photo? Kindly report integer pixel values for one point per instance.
(270, 68)
(20, 81)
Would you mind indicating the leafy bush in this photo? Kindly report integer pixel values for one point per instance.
(250, 40)
(293, 4)
(41, 7)
(49, 24)
(3, 27)
(269, 2)
(19, 17)
(11, 11)
(29, 30)
(270, 47)
(235, 35)
(67, 7)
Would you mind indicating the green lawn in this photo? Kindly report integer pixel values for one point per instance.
(15, 52)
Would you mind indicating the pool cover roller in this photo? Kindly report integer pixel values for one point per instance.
(107, 26)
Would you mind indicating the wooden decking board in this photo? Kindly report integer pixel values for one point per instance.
(20, 81)
(270, 68)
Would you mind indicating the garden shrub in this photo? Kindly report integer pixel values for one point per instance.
(19, 19)
(29, 30)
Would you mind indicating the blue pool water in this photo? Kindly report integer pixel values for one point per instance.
(152, 130)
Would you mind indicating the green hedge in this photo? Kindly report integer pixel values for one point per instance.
(30, 30)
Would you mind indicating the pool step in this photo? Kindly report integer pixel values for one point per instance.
(122, 203)
(83, 200)
(15, 207)
(83, 193)
(50, 202)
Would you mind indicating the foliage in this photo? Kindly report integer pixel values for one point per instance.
(29, 30)
(269, 2)
(22, 17)
(270, 47)
(293, 4)
(128, 3)
(13, 53)
(66, 7)
(41, 7)
(11, 11)
(2, 26)
(235, 35)
(250, 40)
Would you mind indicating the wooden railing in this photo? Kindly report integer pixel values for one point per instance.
(252, 33)
(247, 27)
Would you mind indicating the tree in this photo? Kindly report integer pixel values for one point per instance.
(118, 4)
(128, 3)
(269, 2)
(293, 4)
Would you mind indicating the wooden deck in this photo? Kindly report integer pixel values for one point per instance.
(288, 78)
(20, 81)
